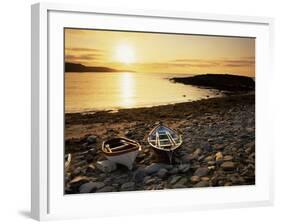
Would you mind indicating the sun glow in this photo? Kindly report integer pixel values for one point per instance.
(127, 85)
(125, 54)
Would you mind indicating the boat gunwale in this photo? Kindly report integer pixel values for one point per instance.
(117, 153)
(163, 149)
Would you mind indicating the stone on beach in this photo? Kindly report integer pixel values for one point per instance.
(92, 151)
(197, 152)
(202, 184)
(192, 156)
(128, 186)
(181, 183)
(228, 165)
(174, 179)
(205, 178)
(184, 167)
(175, 170)
(219, 156)
(162, 172)
(78, 179)
(155, 167)
(139, 174)
(129, 133)
(88, 187)
(208, 158)
(149, 180)
(201, 171)
(228, 158)
(107, 189)
(207, 147)
(194, 179)
(92, 139)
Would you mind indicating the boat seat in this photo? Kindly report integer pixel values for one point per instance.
(124, 147)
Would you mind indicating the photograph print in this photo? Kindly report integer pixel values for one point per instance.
(157, 111)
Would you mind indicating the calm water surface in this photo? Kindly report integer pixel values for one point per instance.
(111, 91)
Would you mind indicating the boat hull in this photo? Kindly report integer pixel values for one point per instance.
(164, 156)
(126, 159)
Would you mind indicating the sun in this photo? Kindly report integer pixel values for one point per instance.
(125, 54)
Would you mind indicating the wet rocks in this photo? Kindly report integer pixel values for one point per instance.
(106, 166)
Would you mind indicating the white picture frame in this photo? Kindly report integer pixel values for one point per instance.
(48, 201)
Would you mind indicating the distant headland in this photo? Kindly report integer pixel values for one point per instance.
(224, 82)
(75, 67)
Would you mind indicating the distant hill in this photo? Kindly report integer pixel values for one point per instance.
(224, 82)
(73, 67)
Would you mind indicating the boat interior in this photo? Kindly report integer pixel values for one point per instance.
(119, 145)
(164, 138)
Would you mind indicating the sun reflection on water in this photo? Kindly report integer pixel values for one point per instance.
(127, 85)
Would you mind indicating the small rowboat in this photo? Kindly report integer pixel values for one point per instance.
(164, 140)
(121, 150)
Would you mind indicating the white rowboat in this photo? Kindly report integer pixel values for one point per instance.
(121, 150)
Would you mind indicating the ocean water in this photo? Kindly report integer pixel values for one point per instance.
(86, 92)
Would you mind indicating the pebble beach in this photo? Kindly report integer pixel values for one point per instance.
(218, 146)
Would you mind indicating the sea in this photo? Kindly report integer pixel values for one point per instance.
(111, 91)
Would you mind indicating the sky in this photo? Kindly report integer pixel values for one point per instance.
(161, 53)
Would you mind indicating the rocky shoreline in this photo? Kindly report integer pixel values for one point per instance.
(218, 148)
(224, 82)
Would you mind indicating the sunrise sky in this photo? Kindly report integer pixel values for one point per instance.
(161, 53)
